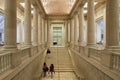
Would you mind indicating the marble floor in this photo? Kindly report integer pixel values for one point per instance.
(61, 76)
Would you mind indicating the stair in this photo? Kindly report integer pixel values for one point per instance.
(64, 69)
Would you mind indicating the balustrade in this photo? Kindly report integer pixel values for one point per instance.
(5, 61)
(95, 53)
(25, 53)
(115, 61)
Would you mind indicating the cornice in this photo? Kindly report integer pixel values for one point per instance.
(60, 17)
(41, 9)
(76, 7)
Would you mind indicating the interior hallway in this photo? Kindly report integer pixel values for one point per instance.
(63, 65)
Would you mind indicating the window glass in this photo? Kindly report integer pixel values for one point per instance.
(119, 27)
(1, 28)
(18, 31)
(100, 30)
(23, 33)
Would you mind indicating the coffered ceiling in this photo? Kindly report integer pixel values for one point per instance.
(58, 7)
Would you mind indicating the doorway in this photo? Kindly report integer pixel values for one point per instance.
(57, 35)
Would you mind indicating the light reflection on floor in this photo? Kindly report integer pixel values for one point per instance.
(61, 76)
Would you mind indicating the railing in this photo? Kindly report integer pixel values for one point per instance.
(115, 61)
(76, 47)
(5, 61)
(34, 50)
(95, 53)
(25, 53)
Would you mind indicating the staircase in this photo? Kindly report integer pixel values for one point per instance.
(60, 58)
(64, 70)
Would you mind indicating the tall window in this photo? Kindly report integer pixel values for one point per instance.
(100, 30)
(18, 31)
(57, 36)
(23, 32)
(1, 28)
(119, 27)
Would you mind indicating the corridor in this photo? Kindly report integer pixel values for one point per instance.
(83, 36)
(62, 62)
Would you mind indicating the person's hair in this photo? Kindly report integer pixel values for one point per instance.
(44, 63)
(52, 65)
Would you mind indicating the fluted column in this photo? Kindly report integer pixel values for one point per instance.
(81, 27)
(91, 23)
(35, 27)
(10, 24)
(112, 23)
(27, 23)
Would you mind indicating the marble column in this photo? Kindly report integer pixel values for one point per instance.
(112, 23)
(71, 30)
(35, 27)
(91, 24)
(10, 25)
(66, 25)
(21, 32)
(39, 29)
(10, 32)
(27, 23)
(43, 37)
(81, 26)
(49, 34)
(45, 31)
(75, 29)
(68, 30)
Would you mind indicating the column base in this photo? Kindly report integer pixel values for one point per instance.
(35, 44)
(12, 48)
(112, 47)
(28, 45)
(90, 44)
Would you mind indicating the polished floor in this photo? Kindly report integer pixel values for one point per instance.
(62, 63)
(61, 76)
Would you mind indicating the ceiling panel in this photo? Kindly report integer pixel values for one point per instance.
(57, 7)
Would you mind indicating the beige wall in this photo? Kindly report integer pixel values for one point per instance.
(87, 68)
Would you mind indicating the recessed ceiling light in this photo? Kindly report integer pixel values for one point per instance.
(32, 12)
(84, 11)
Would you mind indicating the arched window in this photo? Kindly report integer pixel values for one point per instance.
(1, 28)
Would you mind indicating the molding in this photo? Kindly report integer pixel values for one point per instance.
(61, 17)
(76, 7)
(41, 9)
